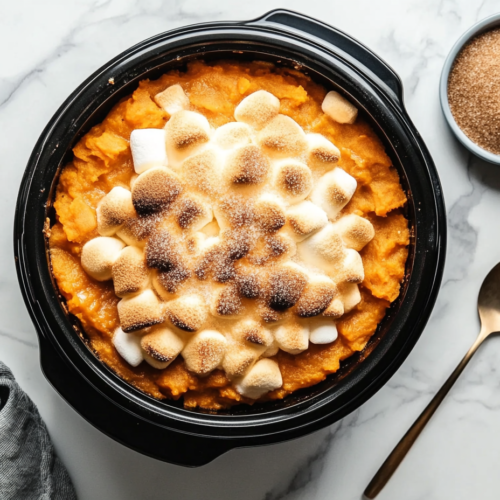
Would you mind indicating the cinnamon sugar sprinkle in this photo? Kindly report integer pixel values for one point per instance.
(474, 90)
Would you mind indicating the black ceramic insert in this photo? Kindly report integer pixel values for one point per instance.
(164, 429)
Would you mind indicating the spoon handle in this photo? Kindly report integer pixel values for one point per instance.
(396, 457)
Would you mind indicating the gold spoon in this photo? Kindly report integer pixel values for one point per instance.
(488, 306)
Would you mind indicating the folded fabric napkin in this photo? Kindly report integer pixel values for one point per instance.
(29, 467)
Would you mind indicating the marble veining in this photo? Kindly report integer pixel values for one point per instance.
(48, 48)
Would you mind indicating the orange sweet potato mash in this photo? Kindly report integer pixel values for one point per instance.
(102, 160)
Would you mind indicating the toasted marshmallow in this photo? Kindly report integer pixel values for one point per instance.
(204, 352)
(172, 99)
(165, 283)
(282, 137)
(232, 135)
(162, 251)
(338, 108)
(136, 230)
(163, 345)
(271, 351)
(148, 148)
(251, 331)
(186, 132)
(335, 309)
(240, 357)
(322, 330)
(139, 311)
(248, 283)
(99, 255)
(350, 296)
(233, 211)
(352, 270)
(334, 191)
(292, 179)
(355, 231)
(202, 172)
(324, 249)
(188, 312)
(159, 365)
(246, 165)
(128, 346)
(193, 213)
(316, 297)
(226, 302)
(305, 218)
(292, 337)
(263, 377)
(269, 212)
(130, 273)
(285, 286)
(257, 109)
(211, 230)
(321, 153)
(113, 210)
(273, 248)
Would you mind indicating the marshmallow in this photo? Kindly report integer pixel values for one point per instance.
(285, 286)
(257, 109)
(233, 211)
(321, 153)
(188, 312)
(186, 132)
(148, 148)
(350, 296)
(159, 365)
(136, 230)
(201, 172)
(324, 249)
(305, 218)
(113, 210)
(172, 99)
(163, 345)
(155, 189)
(246, 165)
(226, 302)
(193, 213)
(322, 331)
(240, 357)
(237, 242)
(248, 284)
(316, 297)
(166, 283)
(130, 274)
(355, 231)
(282, 137)
(351, 270)
(232, 135)
(128, 346)
(292, 179)
(272, 247)
(292, 337)
(263, 377)
(215, 263)
(204, 352)
(338, 108)
(99, 255)
(269, 213)
(271, 351)
(251, 331)
(211, 230)
(335, 309)
(139, 311)
(333, 191)
(162, 251)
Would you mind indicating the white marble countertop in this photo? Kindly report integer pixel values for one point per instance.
(50, 47)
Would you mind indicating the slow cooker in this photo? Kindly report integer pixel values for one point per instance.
(164, 429)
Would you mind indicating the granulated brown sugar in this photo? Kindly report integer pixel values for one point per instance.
(474, 90)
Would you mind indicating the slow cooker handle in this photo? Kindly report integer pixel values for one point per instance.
(338, 41)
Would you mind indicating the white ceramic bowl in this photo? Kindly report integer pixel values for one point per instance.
(478, 28)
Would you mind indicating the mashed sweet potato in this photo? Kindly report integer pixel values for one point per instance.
(102, 160)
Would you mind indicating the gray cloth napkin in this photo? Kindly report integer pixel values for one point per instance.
(29, 467)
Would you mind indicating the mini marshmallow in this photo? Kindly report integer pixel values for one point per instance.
(136, 230)
(251, 331)
(204, 352)
(285, 285)
(240, 357)
(271, 351)
(130, 273)
(321, 153)
(163, 345)
(352, 270)
(292, 337)
(263, 377)
(165, 283)
(333, 191)
(305, 218)
(292, 179)
(159, 365)
(257, 109)
(322, 331)
(128, 346)
(148, 148)
(188, 312)
(139, 311)
(193, 213)
(282, 137)
(269, 212)
(234, 211)
(335, 309)
(172, 99)
(338, 108)
(202, 172)
(316, 297)
(272, 247)
(350, 296)
(113, 210)
(99, 255)
(355, 231)
(186, 132)
(246, 165)
(155, 189)
(232, 135)
(226, 303)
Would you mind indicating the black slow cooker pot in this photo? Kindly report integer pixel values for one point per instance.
(164, 429)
